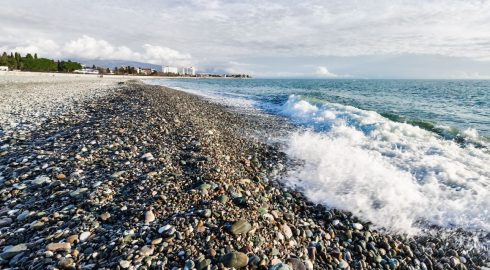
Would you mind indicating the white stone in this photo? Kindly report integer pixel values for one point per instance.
(84, 236)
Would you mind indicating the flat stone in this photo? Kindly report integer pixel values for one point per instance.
(164, 228)
(40, 180)
(156, 241)
(343, 264)
(296, 264)
(66, 263)
(288, 233)
(240, 227)
(80, 192)
(72, 238)
(280, 266)
(147, 157)
(10, 251)
(58, 246)
(146, 251)
(105, 216)
(118, 174)
(149, 217)
(202, 264)
(84, 236)
(5, 222)
(235, 260)
(357, 226)
(22, 216)
(223, 199)
(124, 264)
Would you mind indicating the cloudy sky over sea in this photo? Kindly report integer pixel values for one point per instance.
(344, 38)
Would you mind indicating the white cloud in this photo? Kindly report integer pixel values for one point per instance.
(91, 48)
(323, 71)
(87, 47)
(218, 32)
(40, 46)
(159, 55)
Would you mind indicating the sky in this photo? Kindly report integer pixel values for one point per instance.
(327, 39)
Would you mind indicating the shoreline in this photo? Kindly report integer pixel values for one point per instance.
(150, 176)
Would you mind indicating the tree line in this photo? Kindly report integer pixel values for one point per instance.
(32, 63)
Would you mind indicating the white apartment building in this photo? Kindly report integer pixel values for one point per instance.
(191, 71)
(168, 69)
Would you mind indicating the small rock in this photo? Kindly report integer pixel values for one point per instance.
(240, 227)
(79, 193)
(66, 263)
(105, 216)
(5, 222)
(40, 180)
(223, 199)
(235, 260)
(156, 241)
(308, 265)
(202, 264)
(343, 264)
(280, 266)
(118, 174)
(147, 157)
(189, 265)
(72, 238)
(165, 228)
(296, 264)
(84, 236)
(58, 246)
(124, 264)
(357, 226)
(146, 251)
(288, 233)
(22, 216)
(10, 251)
(149, 217)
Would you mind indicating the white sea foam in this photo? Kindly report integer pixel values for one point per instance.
(392, 174)
(236, 101)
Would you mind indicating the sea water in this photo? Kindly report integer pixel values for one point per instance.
(402, 154)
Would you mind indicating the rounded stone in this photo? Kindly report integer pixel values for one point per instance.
(58, 246)
(146, 251)
(84, 236)
(240, 227)
(124, 264)
(149, 217)
(66, 263)
(235, 260)
(281, 266)
(296, 264)
(11, 251)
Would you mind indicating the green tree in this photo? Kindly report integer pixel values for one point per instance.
(40, 64)
(4, 59)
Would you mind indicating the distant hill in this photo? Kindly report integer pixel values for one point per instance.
(117, 63)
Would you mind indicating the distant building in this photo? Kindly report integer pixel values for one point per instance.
(145, 71)
(191, 71)
(187, 71)
(4, 68)
(86, 71)
(172, 70)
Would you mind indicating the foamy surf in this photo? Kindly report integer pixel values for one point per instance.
(396, 175)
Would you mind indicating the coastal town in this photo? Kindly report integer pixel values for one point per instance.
(31, 62)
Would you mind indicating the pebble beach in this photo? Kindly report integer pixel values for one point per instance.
(111, 173)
